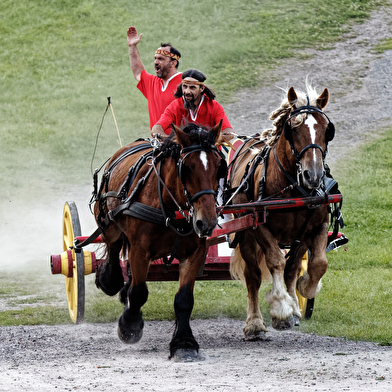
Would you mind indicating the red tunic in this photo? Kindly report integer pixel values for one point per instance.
(208, 114)
(158, 95)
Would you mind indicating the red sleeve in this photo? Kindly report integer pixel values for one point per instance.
(145, 84)
(219, 114)
(169, 116)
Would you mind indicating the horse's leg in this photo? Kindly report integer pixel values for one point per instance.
(291, 272)
(109, 277)
(254, 325)
(183, 345)
(281, 304)
(130, 324)
(124, 290)
(309, 284)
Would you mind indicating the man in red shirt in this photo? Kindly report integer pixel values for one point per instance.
(159, 88)
(195, 103)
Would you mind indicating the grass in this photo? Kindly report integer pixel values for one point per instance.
(60, 60)
(357, 290)
(384, 45)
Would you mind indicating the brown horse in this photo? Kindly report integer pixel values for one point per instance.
(141, 190)
(287, 161)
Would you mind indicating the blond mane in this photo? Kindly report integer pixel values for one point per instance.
(280, 115)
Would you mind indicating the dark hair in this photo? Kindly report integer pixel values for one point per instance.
(195, 74)
(198, 75)
(172, 50)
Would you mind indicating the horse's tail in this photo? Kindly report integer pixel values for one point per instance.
(237, 266)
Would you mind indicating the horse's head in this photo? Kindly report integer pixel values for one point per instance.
(200, 167)
(308, 130)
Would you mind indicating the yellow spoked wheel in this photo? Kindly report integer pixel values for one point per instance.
(305, 304)
(74, 285)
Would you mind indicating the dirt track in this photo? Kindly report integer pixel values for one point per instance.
(91, 357)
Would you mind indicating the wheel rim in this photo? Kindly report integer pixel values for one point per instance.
(74, 286)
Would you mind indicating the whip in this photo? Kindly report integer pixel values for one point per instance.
(99, 131)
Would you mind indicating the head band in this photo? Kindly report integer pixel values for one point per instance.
(193, 81)
(168, 54)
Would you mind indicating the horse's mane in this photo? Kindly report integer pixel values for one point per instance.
(280, 115)
(198, 135)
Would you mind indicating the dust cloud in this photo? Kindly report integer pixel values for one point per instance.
(31, 227)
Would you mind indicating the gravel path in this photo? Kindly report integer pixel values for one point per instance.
(91, 357)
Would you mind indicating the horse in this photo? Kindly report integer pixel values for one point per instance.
(144, 191)
(286, 161)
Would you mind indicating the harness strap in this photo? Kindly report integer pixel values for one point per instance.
(170, 259)
(145, 213)
(132, 173)
(103, 220)
(297, 242)
(266, 152)
(78, 245)
(291, 179)
(127, 153)
(166, 218)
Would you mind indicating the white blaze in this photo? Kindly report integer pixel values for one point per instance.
(203, 158)
(311, 122)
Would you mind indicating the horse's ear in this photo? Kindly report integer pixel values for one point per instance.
(181, 137)
(323, 99)
(216, 130)
(292, 97)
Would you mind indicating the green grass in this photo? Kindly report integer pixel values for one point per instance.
(357, 292)
(384, 45)
(60, 60)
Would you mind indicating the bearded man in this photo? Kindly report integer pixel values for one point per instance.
(158, 88)
(195, 103)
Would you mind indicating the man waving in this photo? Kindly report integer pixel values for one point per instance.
(158, 88)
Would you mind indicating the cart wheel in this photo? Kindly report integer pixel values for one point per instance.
(305, 304)
(74, 285)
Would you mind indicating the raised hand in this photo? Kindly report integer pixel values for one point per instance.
(132, 37)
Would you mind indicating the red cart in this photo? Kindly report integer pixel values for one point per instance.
(76, 264)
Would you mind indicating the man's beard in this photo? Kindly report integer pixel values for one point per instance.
(189, 104)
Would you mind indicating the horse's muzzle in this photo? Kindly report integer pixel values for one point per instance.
(312, 179)
(204, 228)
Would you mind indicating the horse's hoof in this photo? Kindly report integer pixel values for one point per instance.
(296, 320)
(131, 332)
(129, 337)
(282, 325)
(255, 336)
(187, 355)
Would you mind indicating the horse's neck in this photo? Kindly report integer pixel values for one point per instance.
(173, 183)
(276, 178)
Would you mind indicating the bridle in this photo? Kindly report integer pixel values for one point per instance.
(329, 133)
(222, 171)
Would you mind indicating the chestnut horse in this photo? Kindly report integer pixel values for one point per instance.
(286, 162)
(141, 190)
